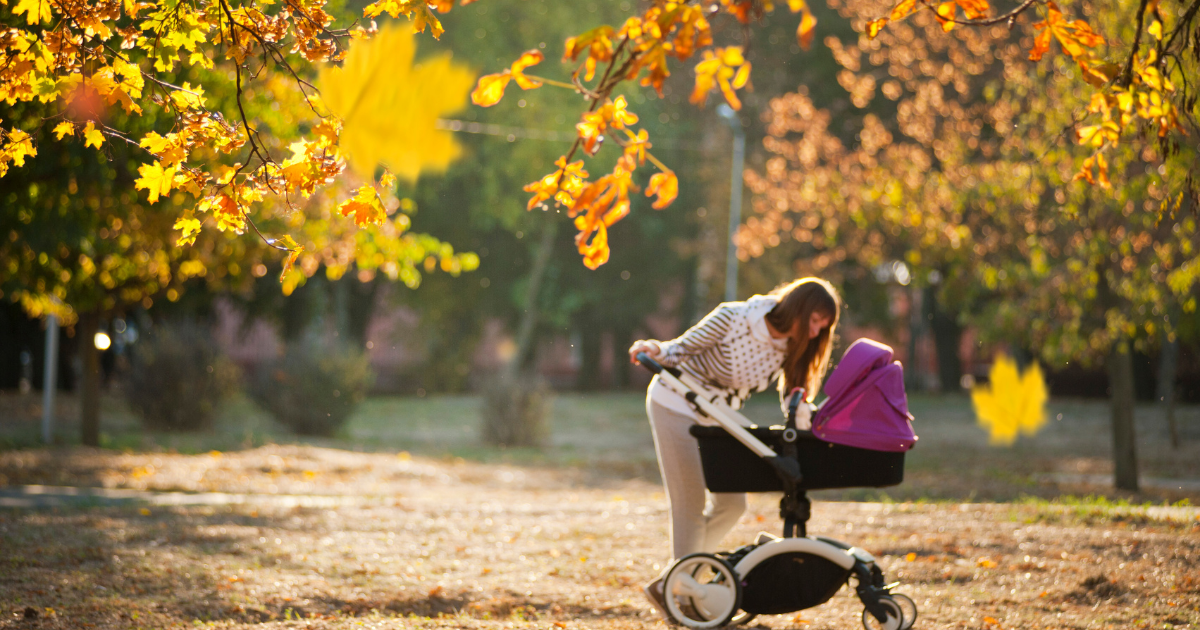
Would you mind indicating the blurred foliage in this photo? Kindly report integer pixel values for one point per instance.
(174, 363)
(314, 387)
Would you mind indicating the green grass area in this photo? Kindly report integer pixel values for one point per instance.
(608, 433)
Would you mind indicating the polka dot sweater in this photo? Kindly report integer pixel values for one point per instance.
(731, 351)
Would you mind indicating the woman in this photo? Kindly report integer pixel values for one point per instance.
(736, 350)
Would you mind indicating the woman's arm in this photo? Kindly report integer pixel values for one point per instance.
(705, 334)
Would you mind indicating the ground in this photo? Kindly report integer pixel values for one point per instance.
(403, 522)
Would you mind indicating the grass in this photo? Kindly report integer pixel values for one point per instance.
(607, 434)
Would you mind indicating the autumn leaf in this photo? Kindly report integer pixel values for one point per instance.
(35, 11)
(155, 179)
(1011, 403)
(416, 10)
(666, 186)
(874, 26)
(389, 106)
(490, 88)
(190, 228)
(364, 207)
(945, 16)
(808, 25)
(92, 136)
(63, 129)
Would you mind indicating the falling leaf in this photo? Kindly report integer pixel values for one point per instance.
(1011, 403)
(389, 106)
(910, 557)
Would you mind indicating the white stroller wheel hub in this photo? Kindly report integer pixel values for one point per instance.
(702, 592)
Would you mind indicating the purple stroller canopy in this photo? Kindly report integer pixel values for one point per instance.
(866, 405)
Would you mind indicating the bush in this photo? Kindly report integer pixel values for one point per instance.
(179, 378)
(314, 388)
(515, 410)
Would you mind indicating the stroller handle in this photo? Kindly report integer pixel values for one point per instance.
(649, 363)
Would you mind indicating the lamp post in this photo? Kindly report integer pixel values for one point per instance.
(735, 198)
(50, 379)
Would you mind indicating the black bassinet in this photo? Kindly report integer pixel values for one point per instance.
(731, 467)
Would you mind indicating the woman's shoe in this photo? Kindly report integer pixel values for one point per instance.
(654, 593)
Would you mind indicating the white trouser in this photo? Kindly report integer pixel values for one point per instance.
(699, 519)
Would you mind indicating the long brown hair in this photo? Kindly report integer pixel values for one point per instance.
(807, 359)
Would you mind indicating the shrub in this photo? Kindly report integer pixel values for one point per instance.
(315, 387)
(178, 378)
(515, 410)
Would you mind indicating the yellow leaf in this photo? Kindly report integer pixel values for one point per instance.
(92, 136)
(35, 11)
(64, 128)
(190, 228)
(490, 89)
(1156, 29)
(874, 26)
(1011, 403)
(390, 106)
(155, 179)
(804, 33)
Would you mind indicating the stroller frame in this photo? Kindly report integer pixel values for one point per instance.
(704, 591)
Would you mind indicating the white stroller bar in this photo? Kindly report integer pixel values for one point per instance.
(736, 429)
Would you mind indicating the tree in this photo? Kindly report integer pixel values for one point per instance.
(983, 190)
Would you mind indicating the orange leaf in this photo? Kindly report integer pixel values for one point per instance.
(490, 89)
(974, 9)
(529, 58)
(874, 26)
(804, 34)
(945, 15)
(364, 206)
(1041, 43)
(666, 186)
(903, 9)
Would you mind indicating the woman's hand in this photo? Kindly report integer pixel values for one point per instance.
(649, 346)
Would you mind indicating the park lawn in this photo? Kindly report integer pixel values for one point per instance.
(301, 536)
(404, 521)
(607, 436)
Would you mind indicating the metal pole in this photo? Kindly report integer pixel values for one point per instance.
(735, 199)
(49, 379)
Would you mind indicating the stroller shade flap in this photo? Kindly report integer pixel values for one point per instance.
(868, 409)
(861, 358)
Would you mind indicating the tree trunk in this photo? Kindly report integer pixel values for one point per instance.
(590, 339)
(530, 317)
(89, 404)
(947, 337)
(1167, 371)
(916, 328)
(1120, 382)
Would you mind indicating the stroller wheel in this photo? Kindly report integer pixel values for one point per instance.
(908, 607)
(895, 617)
(702, 591)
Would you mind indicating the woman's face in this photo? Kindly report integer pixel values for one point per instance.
(817, 322)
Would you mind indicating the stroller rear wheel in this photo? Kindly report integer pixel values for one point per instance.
(702, 591)
(894, 620)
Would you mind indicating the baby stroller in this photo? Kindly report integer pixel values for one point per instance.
(858, 439)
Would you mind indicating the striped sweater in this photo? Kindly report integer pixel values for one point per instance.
(731, 351)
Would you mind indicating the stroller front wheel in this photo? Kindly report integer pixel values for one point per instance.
(702, 591)
(893, 621)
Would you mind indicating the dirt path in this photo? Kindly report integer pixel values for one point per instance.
(416, 543)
